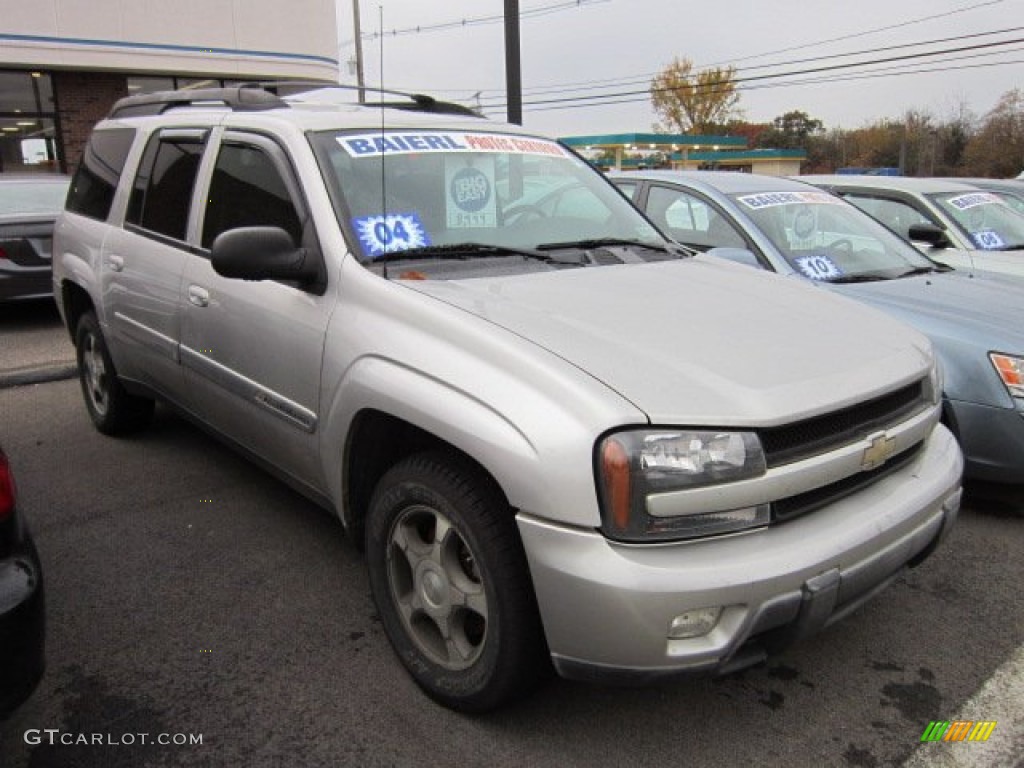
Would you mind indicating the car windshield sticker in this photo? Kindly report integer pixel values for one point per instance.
(973, 200)
(804, 222)
(818, 267)
(988, 240)
(771, 199)
(375, 144)
(470, 200)
(391, 233)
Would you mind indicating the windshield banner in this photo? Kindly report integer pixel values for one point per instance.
(973, 200)
(771, 199)
(375, 144)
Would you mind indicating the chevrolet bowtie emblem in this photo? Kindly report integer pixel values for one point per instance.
(878, 452)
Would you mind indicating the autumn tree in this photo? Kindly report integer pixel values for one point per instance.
(694, 102)
(997, 148)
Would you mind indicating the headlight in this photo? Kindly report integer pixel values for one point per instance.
(633, 466)
(935, 384)
(1011, 371)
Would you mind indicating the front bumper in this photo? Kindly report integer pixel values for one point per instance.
(607, 607)
(993, 441)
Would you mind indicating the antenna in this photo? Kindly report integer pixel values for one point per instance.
(383, 154)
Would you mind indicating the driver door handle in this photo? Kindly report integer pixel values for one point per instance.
(198, 296)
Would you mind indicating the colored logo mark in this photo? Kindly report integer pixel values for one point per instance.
(958, 730)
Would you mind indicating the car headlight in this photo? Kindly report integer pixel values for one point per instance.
(1011, 372)
(935, 384)
(633, 466)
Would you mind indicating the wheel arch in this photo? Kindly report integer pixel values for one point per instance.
(76, 301)
(376, 442)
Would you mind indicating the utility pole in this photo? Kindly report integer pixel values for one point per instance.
(513, 76)
(360, 80)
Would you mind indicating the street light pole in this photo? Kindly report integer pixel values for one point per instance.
(513, 77)
(360, 81)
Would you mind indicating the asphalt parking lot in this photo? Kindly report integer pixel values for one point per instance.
(190, 594)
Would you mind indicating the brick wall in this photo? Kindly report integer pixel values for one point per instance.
(83, 99)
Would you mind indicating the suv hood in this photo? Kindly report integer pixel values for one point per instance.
(701, 341)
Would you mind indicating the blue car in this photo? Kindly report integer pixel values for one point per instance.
(975, 321)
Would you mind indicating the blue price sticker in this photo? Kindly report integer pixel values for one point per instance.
(988, 240)
(390, 233)
(818, 267)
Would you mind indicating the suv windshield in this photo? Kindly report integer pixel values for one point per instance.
(442, 191)
(985, 218)
(825, 238)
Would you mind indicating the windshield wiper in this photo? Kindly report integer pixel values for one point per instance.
(1018, 247)
(463, 252)
(918, 271)
(863, 277)
(602, 242)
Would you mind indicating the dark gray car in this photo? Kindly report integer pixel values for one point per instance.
(976, 322)
(29, 204)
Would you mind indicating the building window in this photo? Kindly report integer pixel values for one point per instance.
(27, 129)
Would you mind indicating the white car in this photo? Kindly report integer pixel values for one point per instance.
(951, 222)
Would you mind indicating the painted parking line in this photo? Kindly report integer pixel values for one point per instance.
(1000, 700)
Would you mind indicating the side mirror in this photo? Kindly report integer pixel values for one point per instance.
(737, 256)
(262, 253)
(929, 233)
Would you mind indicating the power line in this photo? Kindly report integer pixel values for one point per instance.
(825, 57)
(528, 13)
(812, 70)
(791, 83)
(635, 79)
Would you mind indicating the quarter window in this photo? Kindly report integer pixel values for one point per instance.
(93, 186)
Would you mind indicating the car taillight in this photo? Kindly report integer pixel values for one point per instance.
(3, 254)
(6, 488)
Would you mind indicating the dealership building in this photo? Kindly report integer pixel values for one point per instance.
(63, 63)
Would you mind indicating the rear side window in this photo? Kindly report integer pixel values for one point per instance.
(92, 189)
(162, 192)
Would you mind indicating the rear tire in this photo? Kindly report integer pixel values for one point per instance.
(112, 409)
(450, 580)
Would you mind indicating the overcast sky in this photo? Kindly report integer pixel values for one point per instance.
(571, 49)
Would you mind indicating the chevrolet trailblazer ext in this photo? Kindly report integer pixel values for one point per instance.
(560, 438)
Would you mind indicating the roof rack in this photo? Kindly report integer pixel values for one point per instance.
(258, 96)
(240, 98)
(417, 102)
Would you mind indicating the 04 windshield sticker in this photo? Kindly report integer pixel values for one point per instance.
(772, 199)
(988, 240)
(469, 199)
(407, 143)
(818, 267)
(973, 200)
(390, 233)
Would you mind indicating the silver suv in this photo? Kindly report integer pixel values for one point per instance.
(560, 438)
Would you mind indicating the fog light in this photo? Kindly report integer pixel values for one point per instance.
(694, 623)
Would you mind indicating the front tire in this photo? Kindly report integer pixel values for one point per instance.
(450, 580)
(112, 409)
